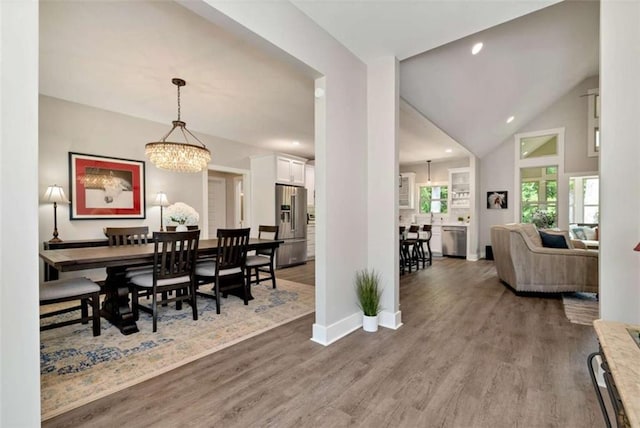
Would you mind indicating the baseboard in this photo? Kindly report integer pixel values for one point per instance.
(473, 257)
(326, 335)
(392, 320)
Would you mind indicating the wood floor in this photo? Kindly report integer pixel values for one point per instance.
(470, 354)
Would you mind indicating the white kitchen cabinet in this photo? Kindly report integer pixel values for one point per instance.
(311, 241)
(436, 240)
(459, 189)
(310, 184)
(406, 192)
(290, 171)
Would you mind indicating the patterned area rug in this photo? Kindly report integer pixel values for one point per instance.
(77, 368)
(581, 308)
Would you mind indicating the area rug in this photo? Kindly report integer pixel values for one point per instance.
(581, 308)
(77, 368)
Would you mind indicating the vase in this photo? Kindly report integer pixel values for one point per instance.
(370, 323)
(181, 228)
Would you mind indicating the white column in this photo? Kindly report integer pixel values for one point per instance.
(620, 161)
(19, 323)
(383, 181)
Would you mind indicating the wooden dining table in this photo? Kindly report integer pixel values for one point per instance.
(71, 256)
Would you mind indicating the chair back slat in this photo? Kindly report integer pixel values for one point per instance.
(267, 232)
(232, 248)
(175, 253)
(121, 236)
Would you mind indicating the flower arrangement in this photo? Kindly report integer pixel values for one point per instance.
(181, 213)
(543, 219)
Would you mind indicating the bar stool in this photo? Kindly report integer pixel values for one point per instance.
(429, 257)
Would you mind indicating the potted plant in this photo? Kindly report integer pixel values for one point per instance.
(369, 295)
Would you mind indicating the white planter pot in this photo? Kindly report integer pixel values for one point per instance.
(181, 228)
(369, 323)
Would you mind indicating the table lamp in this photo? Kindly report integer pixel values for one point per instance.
(55, 194)
(637, 248)
(161, 201)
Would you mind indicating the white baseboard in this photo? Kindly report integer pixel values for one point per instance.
(392, 320)
(326, 335)
(473, 257)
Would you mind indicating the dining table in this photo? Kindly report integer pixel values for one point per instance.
(69, 256)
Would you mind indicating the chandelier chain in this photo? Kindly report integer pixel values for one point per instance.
(178, 101)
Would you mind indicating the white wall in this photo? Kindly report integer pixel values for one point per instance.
(65, 126)
(341, 149)
(620, 161)
(19, 324)
(497, 168)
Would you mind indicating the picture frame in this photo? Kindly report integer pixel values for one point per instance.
(103, 187)
(497, 200)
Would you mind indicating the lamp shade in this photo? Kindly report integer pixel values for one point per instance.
(55, 194)
(637, 248)
(161, 200)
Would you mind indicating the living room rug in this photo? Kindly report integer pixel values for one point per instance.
(581, 308)
(77, 368)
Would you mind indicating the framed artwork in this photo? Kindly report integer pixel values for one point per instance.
(497, 200)
(105, 187)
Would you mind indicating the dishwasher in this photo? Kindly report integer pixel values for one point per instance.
(454, 241)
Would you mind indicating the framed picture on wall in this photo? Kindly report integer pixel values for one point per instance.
(105, 187)
(497, 200)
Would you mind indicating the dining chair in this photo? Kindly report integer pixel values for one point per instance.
(263, 260)
(418, 248)
(68, 290)
(227, 270)
(124, 236)
(174, 262)
(408, 251)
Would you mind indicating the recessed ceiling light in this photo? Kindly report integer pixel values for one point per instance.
(448, 151)
(476, 48)
(296, 143)
(510, 119)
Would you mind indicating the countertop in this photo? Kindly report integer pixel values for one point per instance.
(623, 356)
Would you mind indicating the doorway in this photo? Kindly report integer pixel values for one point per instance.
(225, 201)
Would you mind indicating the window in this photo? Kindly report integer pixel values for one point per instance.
(539, 193)
(433, 199)
(584, 199)
(593, 122)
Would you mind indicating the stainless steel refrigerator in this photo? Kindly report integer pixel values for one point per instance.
(291, 216)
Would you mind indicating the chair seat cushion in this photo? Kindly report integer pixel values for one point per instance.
(254, 261)
(130, 273)
(208, 268)
(64, 288)
(146, 280)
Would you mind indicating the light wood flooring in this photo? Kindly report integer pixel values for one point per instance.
(470, 354)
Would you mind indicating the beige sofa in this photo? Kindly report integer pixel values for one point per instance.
(524, 264)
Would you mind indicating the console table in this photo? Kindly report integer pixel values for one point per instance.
(621, 364)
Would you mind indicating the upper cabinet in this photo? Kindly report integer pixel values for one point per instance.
(460, 191)
(290, 171)
(406, 192)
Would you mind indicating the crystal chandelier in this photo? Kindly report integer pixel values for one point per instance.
(181, 157)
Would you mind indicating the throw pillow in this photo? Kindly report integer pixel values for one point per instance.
(578, 232)
(590, 233)
(550, 240)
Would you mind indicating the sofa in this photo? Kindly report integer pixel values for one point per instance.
(526, 265)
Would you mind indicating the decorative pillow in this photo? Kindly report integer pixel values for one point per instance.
(590, 233)
(578, 232)
(551, 240)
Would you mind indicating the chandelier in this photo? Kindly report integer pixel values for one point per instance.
(181, 157)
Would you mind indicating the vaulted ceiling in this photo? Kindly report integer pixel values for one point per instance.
(121, 56)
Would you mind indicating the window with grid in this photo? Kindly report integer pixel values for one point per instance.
(433, 199)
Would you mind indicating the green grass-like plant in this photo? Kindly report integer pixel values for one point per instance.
(368, 291)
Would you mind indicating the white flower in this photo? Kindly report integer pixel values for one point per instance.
(181, 213)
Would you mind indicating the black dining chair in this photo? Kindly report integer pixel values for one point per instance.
(67, 290)
(227, 270)
(126, 236)
(174, 262)
(429, 257)
(263, 260)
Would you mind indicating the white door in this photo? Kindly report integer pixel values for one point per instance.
(217, 205)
